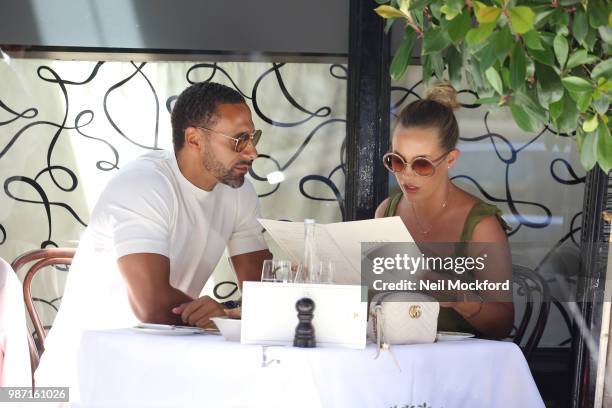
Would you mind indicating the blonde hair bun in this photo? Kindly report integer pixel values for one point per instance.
(444, 93)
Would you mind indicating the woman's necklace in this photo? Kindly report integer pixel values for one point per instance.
(416, 218)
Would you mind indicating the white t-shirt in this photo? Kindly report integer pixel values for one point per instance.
(149, 207)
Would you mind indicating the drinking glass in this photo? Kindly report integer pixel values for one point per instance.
(279, 271)
(324, 272)
(268, 271)
(284, 272)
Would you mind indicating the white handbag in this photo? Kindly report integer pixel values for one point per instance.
(402, 318)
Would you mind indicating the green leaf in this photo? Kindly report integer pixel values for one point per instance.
(505, 75)
(588, 153)
(544, 56)
(403, 5)
(435, 40)
(549, 85)
(547, 38)
(591, 39)
(488, 55)
(561, 49)
(564, 31)
(523, 119)
(604, 148)
(455, 62)
(452, 8)
(530, 68)
(427, 70)
(580, 57)
(449, 13)
(389, 12)
(598, 13)
(568, 120)
(542, 16)
(606, 86)
(402, 56)
(602, 104)
(590, 125)
(437, 63)
(560, 18)
(495, 80)
(503, 43)
(486, 14)
(610, 20)
(417, 16)
(459, 26)
(521, 19)
(603, 69)
(518, 67)
(526, 101)
(555, 109)
(479, 34)
(581, 99)
(474, 75)
(434, 7)
(605, 33)
(579, 138)
(532, 40)
(389, 24)
(576, 84)
(418, 4)
(580, 26)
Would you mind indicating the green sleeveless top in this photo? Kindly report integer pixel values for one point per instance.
(449, 319)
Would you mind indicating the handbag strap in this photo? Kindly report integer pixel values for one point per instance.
(378, 328)
(380, 343)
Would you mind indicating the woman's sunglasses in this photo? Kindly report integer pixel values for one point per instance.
(421, 166)
(241, 140)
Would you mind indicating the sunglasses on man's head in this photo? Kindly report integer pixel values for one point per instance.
(241, 140)
(421, 165)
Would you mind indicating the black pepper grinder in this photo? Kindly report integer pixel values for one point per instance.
(305, 332)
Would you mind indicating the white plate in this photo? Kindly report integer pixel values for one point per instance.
(453, 336)
(168, 330)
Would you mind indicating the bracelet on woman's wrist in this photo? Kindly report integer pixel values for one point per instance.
(475, 313)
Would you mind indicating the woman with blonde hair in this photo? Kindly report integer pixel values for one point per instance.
(423, 149)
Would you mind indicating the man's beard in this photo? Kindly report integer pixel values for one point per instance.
(221, 173)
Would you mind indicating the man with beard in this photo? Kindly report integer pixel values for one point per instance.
(160, 228)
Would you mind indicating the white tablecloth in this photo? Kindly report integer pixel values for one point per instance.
(123, 368)
(15, 368)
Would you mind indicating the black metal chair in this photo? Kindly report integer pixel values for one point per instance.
(534, 294)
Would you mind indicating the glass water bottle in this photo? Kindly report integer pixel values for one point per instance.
(310, 251)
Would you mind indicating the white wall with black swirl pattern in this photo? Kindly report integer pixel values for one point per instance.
(66, 127)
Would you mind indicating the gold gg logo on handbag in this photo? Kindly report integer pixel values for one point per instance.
(415, 311)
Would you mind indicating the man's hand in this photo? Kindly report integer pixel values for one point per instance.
(198, 312)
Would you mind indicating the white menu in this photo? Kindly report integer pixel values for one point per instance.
(339, 242)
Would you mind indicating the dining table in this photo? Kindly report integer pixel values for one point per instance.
(132, 368)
